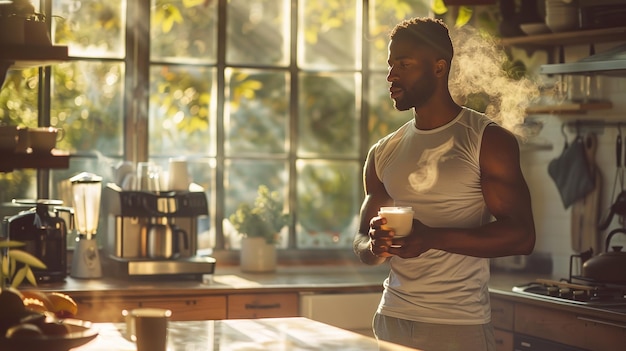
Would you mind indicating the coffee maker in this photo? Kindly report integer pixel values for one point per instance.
(43, 230)
(155, 233)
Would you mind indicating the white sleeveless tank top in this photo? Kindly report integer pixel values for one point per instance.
(437, 172)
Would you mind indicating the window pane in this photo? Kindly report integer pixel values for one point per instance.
(328, 114)
(329, 198)
(90, 28)
(87, 103)
(384, 15)
(328, 32)
(18, 98)
(184, 31)
(182, 111)
(19, 184)
(257, 112)
(241, 182)
(383, 117)
(258, 32)
(202, 172)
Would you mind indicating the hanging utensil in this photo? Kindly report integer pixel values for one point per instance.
(619, 199)
(570, 172)
(586, 211)
(619, 171)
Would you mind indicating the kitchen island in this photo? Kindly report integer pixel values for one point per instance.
(349, 293)
(287, 334)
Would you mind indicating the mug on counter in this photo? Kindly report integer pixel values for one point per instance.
(147, 327)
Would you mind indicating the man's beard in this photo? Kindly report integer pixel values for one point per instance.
(417, 95)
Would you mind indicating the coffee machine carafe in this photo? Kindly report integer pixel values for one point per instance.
(155, 233)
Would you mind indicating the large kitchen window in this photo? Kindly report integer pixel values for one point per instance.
(284, 93)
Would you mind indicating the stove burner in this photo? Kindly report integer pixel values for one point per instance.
(583, 294)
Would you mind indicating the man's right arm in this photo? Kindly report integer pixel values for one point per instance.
(376, 196)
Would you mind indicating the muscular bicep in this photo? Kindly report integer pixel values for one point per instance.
(375, 193)
(504, 188)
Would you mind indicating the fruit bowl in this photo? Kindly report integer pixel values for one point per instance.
(80, 333)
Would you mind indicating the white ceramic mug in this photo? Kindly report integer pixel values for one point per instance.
(178, 175)
(44, 139)
(399, 219)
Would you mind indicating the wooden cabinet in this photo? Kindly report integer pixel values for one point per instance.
(102, 309)
(569, 328)
(263, 305)
(502, 316)
(192, 307)
(563, 326)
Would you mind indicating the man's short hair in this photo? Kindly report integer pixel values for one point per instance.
(425, 31)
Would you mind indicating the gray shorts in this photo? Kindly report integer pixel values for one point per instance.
(434, 337)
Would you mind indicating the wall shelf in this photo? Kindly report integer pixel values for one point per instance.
(56, 159)
(578, 37)
(27, 56)
(570, 107)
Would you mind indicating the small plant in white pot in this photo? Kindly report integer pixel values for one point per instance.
(260, 225)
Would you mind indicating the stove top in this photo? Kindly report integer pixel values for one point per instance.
(583, 293)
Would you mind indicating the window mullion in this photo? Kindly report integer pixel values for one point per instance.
(220, 193)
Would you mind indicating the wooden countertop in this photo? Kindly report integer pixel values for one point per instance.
(308, 279)
(289, 334)
(229, 280)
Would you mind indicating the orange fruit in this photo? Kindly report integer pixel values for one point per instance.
(34, 305)
(62, 305)
(38, 295)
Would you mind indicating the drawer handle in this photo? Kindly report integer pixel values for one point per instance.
(250, 306)
(593, 320)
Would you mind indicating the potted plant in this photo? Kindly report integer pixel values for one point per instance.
(260, 225)
(9, 274)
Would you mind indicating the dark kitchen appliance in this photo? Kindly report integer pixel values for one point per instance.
(44, 233)
(577, 289)
(155, 233)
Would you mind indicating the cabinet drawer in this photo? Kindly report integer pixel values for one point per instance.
(262, 305)
(183, 308)
(504, 340)
(569, 328)
(502, 314)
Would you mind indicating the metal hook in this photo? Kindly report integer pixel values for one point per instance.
(563, 125)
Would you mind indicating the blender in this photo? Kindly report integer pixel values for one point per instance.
(86, 192)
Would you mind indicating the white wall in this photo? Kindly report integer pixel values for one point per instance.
(552, 220)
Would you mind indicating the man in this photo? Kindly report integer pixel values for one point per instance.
(460, 172)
